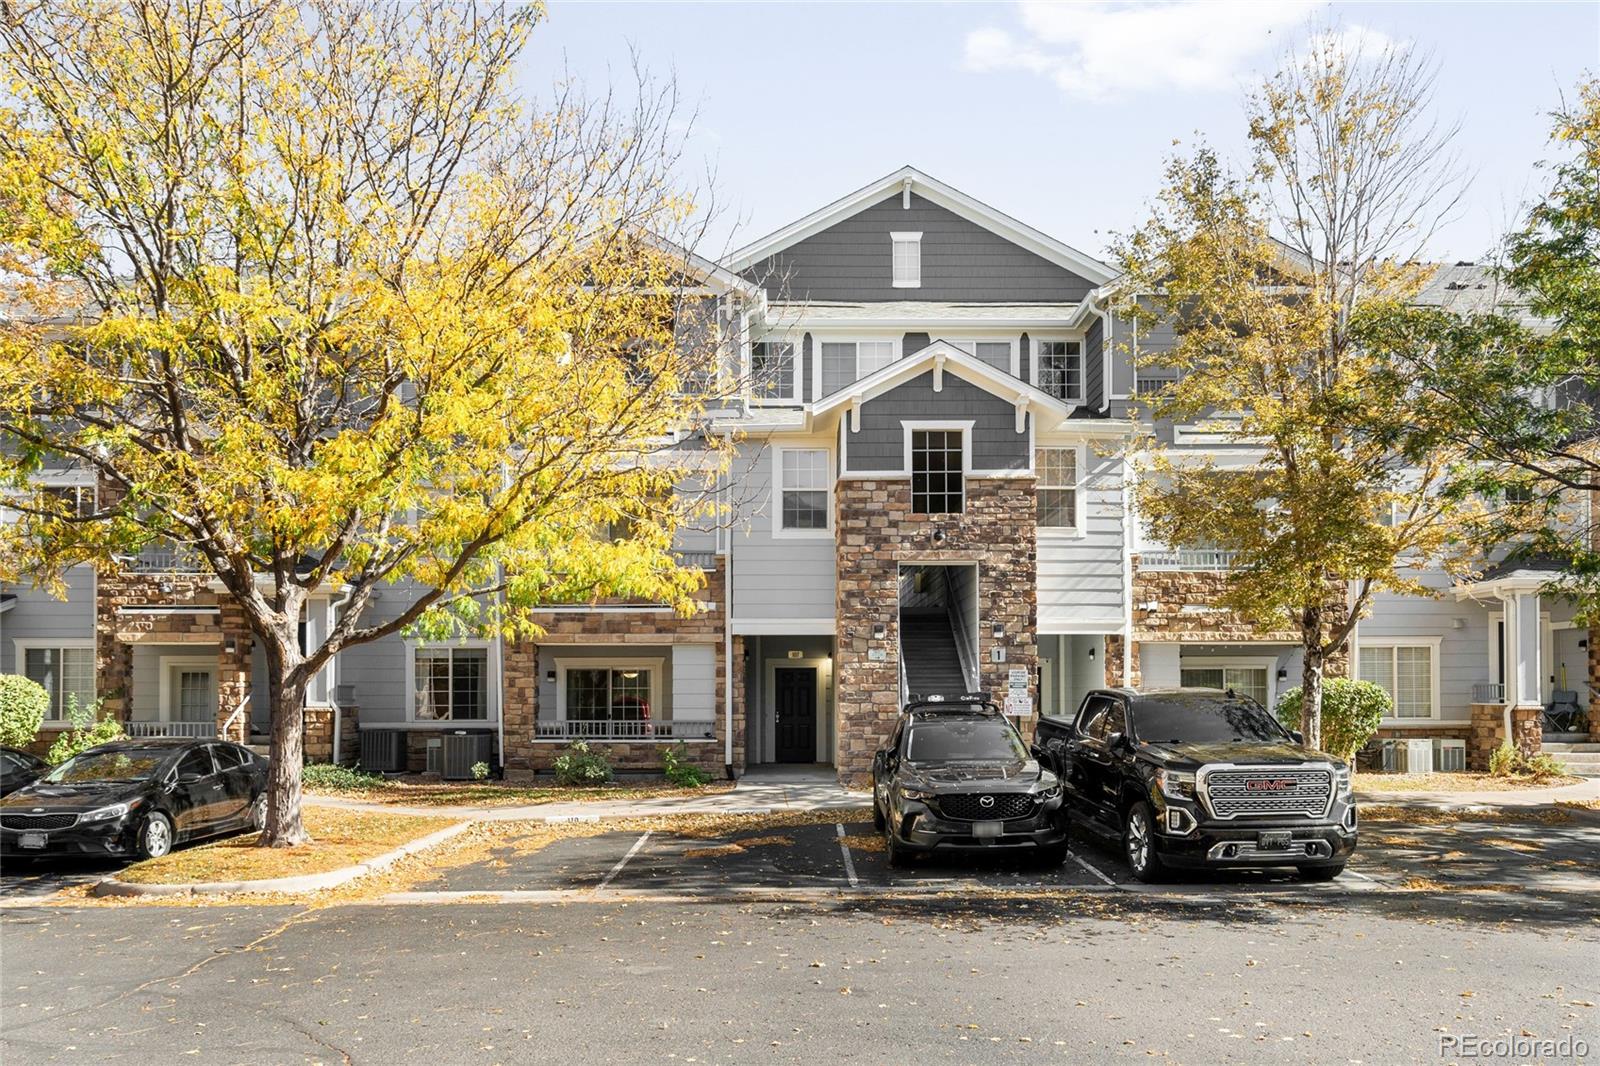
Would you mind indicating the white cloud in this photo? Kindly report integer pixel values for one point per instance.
(1099, 50)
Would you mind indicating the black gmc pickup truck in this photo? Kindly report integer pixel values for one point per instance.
(1199, 778)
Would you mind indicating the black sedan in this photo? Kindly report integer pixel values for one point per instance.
(135, 798)
(957, 776)
(18, 768)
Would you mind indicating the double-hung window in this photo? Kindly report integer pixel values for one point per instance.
(803, 480)
(844, 362)
(1059, 369)
(66, 673)
(937, 471)
(773, 370)
(1405, 672)
(907, 251)
(1057, 471)
(996, 352)
(452, 684)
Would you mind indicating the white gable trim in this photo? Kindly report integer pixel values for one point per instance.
(944, 357)
(909, 179)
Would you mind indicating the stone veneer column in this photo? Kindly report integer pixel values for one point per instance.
(741, 716)
(1594, 683)
(233, 674)
(875, 532)
(520, 708)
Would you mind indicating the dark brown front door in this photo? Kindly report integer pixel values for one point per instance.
(795, 703)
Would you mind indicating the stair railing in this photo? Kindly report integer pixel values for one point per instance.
(238, 713)
(961, 627)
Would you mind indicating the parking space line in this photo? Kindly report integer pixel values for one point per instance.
(844, 849)
(617, 869)
(1079, 860)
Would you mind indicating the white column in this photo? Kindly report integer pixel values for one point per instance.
(1524, 669)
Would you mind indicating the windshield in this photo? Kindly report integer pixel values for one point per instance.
(970, 740)
(1204, 720)
(107, 766)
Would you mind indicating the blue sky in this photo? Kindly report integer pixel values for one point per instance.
(1058, 114)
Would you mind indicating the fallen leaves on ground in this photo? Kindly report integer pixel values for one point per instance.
(863, 842)
(739, 846)
(1455, 781)
(421, 792)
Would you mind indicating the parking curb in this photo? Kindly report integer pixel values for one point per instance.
(316, 882)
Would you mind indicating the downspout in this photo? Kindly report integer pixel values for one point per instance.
(333, 677)
(500, 671)
(727, 641)
(1509, 606)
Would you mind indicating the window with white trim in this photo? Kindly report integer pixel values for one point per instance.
(452, 684)
(66, 673)
(846, 361)
(1405, 672)
(803, 480)
(773, 370)
(907, 255)
(1057, 471)
(1059, 368)
(996, 352)
(937, 471)
(1249, 681)
(619, 693)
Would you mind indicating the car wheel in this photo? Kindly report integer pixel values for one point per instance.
(1139, 844)
(258, 813)
(899, 855)
(155, 836)
(1321, 873)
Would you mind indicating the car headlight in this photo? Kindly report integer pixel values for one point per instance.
(1176, 784)
(1050, 791)
(109, 814)
(915, 793)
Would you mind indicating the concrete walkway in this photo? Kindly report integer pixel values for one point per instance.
(763, 790)
(1588, 789)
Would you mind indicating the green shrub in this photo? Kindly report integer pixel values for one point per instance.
(480, 771)
(580, 766)
(327, 777)
(1351, 711)
(675, 766)
(88, 730)
(23, 704)
(1508, 761)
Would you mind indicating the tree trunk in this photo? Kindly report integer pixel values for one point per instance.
(1311, 677)
(286, 689)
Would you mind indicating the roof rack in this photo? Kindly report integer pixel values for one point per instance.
(963, 702)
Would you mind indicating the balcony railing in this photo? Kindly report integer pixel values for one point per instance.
(1488, 692)
(1187, 559)
(197, 730)
(167, 559)
(697, 560)
(676, 729)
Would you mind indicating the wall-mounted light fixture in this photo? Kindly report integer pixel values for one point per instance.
(938, 536)
(879, 631)
(229, 646)
(550, 676)
(997, 630)
(1091, 653)
(1283, 675)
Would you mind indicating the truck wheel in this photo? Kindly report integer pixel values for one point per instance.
(1321, 873)
(1139, 844)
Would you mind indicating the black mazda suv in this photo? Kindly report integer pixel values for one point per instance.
(957, 776)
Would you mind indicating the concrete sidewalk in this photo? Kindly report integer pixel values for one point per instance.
(762, 791)
(1588, 789)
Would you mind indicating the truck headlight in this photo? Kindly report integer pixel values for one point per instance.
(1176, 784)
(109, 814)
(1342, 781)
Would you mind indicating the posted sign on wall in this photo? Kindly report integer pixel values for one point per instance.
(1017, 703)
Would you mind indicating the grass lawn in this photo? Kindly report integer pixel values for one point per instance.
(1456, 782)
(339, 838)
(416, 792)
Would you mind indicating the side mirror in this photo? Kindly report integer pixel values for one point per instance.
(1299, 737)
(1116, 741)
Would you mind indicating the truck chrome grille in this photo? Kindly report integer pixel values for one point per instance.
(970, 807)
(1253, 792)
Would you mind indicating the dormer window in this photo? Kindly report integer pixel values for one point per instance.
(907, 260)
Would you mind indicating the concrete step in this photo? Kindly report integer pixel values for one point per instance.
(1587, 748)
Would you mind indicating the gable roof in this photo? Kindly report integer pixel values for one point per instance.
(936, 192)
(941, 355)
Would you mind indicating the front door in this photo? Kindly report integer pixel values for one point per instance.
(795, 710)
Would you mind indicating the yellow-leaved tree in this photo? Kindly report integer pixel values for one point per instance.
(321, 302)
(1337, 486)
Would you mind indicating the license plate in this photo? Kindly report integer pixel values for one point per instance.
(987, 830)
(1278, 840)
(32, 840)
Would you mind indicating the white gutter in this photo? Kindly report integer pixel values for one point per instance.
(333, 677)
(727, 638)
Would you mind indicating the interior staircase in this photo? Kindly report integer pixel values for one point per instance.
(928, 648)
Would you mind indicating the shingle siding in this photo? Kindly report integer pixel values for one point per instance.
(879, 445)
(961, 261)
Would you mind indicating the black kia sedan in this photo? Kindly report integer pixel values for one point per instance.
(18, 768)
(135, 798)
(957, 776)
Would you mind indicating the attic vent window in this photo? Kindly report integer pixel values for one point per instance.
(907, 260)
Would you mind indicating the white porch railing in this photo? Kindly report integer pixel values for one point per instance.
(167, 559)
(1187, 559)
(697, 560)
(197, 730)
(1488, 692)
(676, 729)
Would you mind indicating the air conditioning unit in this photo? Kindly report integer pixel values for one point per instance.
(1388, 756)
(435, 756)
(463, 750)
(383, 751)
(1415, 756)
(1450, 755)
